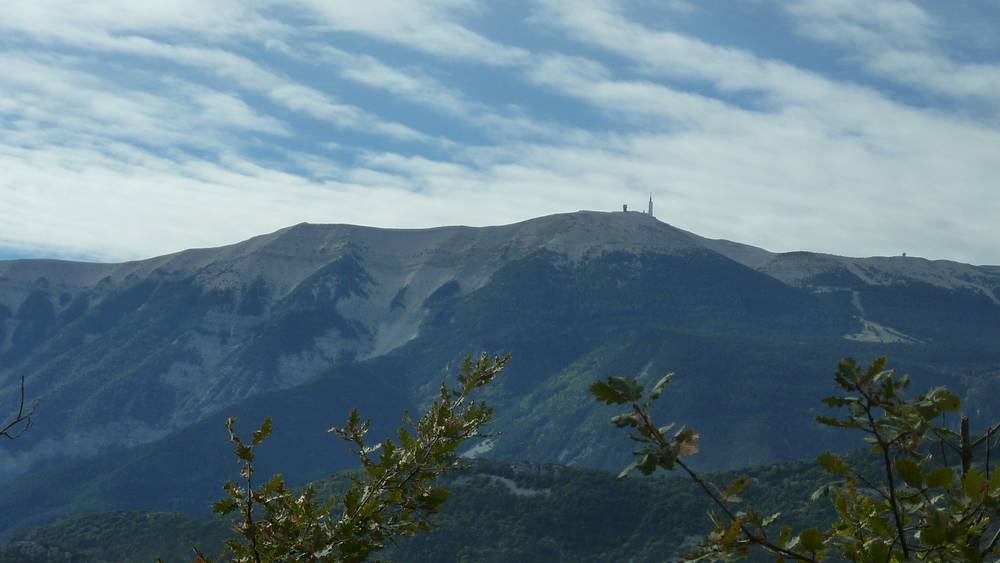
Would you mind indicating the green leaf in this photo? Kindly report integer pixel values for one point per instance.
(736, 486)
(224, 506)
(933, 534)
(837, 423)
(436, 496)
(623, 420)
(878, 552)
(833, 463)
(875, 369)
(406, 439)
(941, 478)
(274, 484)
(617, 390)
(784, 535)
(881, 527)
(264, 432)
(945, 399)
(971, 554)
(244, 452)
(664, 429)
(666, 459)
(658, 388)
(974, 484)
(820, 493)
(838, 401)
(729, 536)
(606, 393)
(811, 540)
(994, 484)
(910, 472)
(647, 464)
(628, 469)
(351, 499)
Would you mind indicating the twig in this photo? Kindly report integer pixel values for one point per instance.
(989, 433)
(10, 430)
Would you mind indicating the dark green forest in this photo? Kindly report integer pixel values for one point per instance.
(496, 512)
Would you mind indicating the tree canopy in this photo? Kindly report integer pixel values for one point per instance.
(393, 495)
(922, 506)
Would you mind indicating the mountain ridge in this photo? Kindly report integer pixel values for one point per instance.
(140, 358)
(748, 255)
(406, 269)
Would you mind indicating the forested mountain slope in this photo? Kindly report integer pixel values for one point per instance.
(137, 364)
(496, 512)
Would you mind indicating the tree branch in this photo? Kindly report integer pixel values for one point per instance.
(884, 446)
(988, 434)
(10, 430)
(758, 540)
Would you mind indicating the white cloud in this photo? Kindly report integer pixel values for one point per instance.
(432, 26)
(899, 41)
(413, 86)
(63, 19)
(239, 71)
(410, 85)
(227, 109)
(675, 56)
(123, 137)
(881, 24)
(53, 95)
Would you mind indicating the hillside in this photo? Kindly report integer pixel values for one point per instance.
(137, 364)
(124, 353)
(496, 511)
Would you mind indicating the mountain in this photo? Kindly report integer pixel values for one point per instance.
(136, 365)
(123, 353)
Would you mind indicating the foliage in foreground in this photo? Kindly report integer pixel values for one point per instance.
(924, 508)
(393, 496)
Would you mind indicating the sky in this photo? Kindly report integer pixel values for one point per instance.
(854, 127)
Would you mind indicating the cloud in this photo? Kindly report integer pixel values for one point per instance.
(56, 95)
(409, 84)
(431, 26)
(238, 71)
(881, 24)
(662, 53)
(415, 87)
(223, 19)
(899, 41)
(194, 203)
